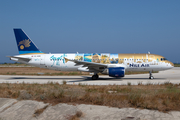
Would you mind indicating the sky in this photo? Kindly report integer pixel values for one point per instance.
(93, 26)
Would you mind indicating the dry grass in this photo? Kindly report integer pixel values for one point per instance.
(36, 71)
(164, 97)
(176, 65)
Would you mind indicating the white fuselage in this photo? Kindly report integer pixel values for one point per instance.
(58, 62)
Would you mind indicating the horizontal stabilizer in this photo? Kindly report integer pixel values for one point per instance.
(21, 59)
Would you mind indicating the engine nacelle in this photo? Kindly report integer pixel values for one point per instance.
(116, 71)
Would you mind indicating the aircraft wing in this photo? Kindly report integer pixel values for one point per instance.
(20, 58)
(92, 66)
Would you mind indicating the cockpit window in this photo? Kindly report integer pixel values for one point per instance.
(162, 59)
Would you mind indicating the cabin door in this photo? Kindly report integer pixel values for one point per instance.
(42, 60)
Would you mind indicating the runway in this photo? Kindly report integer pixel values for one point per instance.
(172, 75)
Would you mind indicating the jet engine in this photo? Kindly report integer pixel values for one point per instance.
(115, 71)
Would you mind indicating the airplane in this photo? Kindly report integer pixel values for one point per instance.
(112, 64)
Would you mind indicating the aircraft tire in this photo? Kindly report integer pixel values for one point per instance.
(95, 77)
(151, 77)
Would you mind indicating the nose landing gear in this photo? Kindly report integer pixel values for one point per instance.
(150, 75)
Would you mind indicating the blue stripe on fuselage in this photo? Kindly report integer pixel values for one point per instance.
(29, 52)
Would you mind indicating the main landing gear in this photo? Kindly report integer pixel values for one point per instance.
(95, 77)
(150, 75)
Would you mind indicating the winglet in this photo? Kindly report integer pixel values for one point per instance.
(66, 59)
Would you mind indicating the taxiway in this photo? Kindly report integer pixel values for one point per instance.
(172, 75)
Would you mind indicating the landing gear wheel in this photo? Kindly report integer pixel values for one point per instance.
(95, 77)
(150, 75)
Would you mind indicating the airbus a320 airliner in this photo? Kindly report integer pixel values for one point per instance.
(113, 65)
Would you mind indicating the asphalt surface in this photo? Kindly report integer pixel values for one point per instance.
(172, 75)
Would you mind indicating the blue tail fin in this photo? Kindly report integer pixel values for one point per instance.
(25, 44)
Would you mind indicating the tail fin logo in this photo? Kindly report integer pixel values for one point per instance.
(24, 43)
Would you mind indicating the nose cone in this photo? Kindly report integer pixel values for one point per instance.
(170, 64)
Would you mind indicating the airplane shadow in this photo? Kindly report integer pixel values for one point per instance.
(41, 78)
(114, 79)
(83, 79)
(86, 79)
